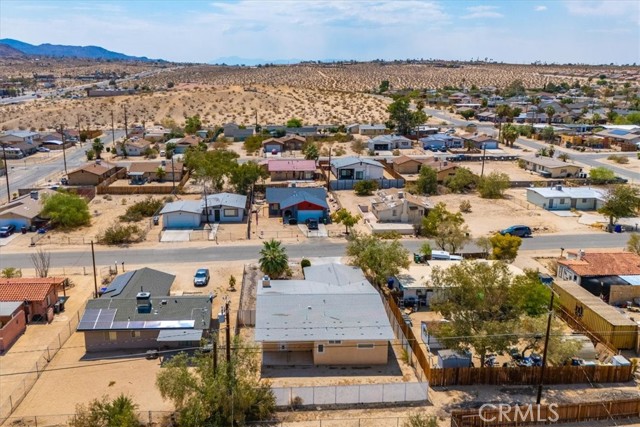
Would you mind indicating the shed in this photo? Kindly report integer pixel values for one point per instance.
(453, 359)
(602, 320)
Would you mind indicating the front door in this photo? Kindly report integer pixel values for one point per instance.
(550, 203)
(216, 215)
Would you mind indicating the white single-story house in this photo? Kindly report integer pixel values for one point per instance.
(217, 208)
(356, 168)
(389, 142)
(565, 198)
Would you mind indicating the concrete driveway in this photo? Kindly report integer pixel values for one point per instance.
(4, 241)
(320, 232)
(175, 235)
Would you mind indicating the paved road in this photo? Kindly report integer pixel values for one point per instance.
(26, 173)
(208, 251)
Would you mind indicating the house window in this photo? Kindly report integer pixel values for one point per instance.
(584, 200)
(365, 346)
(231, 212)
(320, 348)
(111, 335)
(135, 334)
(335, 342)
(359, 175)
(344, 173)
(562, 201)
(48, 300)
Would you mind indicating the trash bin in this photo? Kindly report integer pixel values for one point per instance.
(617, 228)
(156, 220)
(23, 230)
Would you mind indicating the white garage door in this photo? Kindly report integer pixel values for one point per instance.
(181, 220)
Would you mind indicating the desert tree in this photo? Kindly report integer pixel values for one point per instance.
(621, 201)
(439, 215)
(505, 247)
(633, 244)
(41, 261)
(601, 175)
(66, 210)
(427, 182)
(98, 147)
(379, 259)
(451, 236)
(493, 185)
(346, 218)
(104, 412)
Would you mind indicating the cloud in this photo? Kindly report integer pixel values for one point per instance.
(602, 7)
(476, 12)
(540, 8)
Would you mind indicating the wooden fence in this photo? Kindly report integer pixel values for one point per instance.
(494, 416)
(439, 377)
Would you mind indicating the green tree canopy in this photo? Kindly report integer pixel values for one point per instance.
(243, 176)
(633, 244)
(365, 187)
(98, 147)
(232, 394)
(467, 114)
(438, 215)
(274, 261)
(510, 133)
(621, 201)
(494, 185)
(66, 210)
(601, 175)
(119, 412)
(294, 123)
(561, 346)
(310, 151)
(427, 182)
(477, 300)
(451, 236)
(192, 125)
(211, 167)
(463, 180)
(402, 118)
(548, 134)
(346, 218)
(379, 259)
(505, 247)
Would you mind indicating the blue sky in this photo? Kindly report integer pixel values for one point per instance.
(517, 31)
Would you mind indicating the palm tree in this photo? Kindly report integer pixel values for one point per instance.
(274, 261)
(510, 134)
(97, 147)
(502, 111)
(535, 101)
(550, 113)
(160, 173)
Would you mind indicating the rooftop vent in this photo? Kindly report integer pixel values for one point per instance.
(266, 282)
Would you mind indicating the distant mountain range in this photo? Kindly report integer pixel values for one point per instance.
(62, 51)
(7, 51)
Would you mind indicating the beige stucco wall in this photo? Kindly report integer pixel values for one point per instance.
(84, 178)
(348, 353)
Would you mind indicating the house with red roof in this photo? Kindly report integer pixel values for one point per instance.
(37, 295)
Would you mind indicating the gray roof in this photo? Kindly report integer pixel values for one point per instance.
(372, 127)
(547, 162)
(226, 199)
(334, 274)
(352, 160)
(8, 307)
(179, 312)
(191, 206)
(389, 138)
(289, 196)
(303, 310)
(127, 285)
(21, 133)
(571, 192)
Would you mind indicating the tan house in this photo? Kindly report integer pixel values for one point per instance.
(444, 169)
(332, 317)
(286, 143)
(550, 168)
(133, 147)
(407, 165)
(140, 172)
(91, 174)
(393, 205)
(298, 169)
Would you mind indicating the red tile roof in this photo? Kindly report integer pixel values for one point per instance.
(30, 289)
(604, 264)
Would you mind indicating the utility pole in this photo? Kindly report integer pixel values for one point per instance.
(173, 176)
(215, 354)
(329, 171)
(546, 347)
(484, 153)
(206, 206)
(126, 130)
(228, 327)
(95, 279)
(113, 132)
(6, 171)
(64, 151)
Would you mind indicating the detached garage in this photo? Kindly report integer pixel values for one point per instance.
(184, 214)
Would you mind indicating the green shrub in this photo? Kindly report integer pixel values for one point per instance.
(144, 209)
(365, 188)
(389, 235)
(621, 160)
(305, 263)
(119, 234)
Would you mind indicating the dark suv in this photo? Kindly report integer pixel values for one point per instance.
(7, 230)
(517, 230)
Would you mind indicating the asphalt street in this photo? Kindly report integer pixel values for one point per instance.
(26, 173)
(209, 251)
